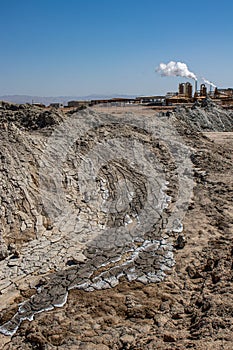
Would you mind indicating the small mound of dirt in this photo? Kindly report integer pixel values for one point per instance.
(29, 117)
(206, 116)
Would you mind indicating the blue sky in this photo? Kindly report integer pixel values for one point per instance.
(74, 47)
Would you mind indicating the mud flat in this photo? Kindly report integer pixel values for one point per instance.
(122, 276)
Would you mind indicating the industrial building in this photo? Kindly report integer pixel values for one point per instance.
(56, 105)
(186, 90)
(78, 103)
(184, 95)
(151, 100)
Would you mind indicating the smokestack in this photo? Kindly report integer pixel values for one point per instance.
(209, 82)
(195, 86)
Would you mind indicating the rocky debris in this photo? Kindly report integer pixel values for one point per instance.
(180, 242)
(104, 282)
(3, 251)
(206, 116)
(28, 117)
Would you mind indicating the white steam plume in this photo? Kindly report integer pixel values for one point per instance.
(175, 69)
(208, 82)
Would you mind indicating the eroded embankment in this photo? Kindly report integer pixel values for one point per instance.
(121, 225)
(86, 201)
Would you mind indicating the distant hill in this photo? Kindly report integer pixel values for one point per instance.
(61, 99)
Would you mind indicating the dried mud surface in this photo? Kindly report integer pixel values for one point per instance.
(190, 309)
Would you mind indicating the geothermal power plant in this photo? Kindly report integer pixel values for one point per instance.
(192, 89)
(186, 93)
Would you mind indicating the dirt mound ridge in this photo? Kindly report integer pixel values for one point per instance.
(28, 117)
(206, 116)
